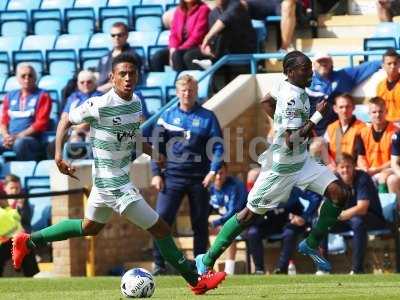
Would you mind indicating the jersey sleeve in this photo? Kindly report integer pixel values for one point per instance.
(85, 113)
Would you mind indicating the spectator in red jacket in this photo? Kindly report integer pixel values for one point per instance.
(189, 26)
(25, 116)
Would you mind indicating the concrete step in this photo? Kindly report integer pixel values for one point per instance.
(347, 26)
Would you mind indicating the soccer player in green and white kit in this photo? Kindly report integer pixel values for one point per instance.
(114, 120)
(291, 166)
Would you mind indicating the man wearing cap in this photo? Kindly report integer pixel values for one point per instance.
(328, 83)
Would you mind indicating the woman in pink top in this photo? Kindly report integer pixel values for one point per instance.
(189, 26)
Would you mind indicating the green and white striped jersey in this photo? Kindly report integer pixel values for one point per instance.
(292, 111)
(114, 124)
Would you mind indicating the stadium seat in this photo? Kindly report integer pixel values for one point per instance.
(57, 4)
(2, 93)
(41, 175)
(144, 39)
(4, 65)
(94, 4)
(127, 3)
(80, 20)
(54, 95)
(163, 38)
(41, 209)
(261, 32)
(46, 21)
(153, 49)
(89, 57)
(54, 115)
(49, 82)
(72, 41)
(22, 169)
(203, 84)
(378, 43)
(361, 113)
(387, 29)
(39, 42)
(32, 57)
(160, 79)
(110, 15)
(61, 62)
(11, 84)
(10, 44)
(171, 93)
(100, 40)
(22, 5)
(148, 23)
(163, 3)
(43, 167)
(153, 97)
(14, 23)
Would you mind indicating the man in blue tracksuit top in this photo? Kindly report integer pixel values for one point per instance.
(191, 139)
(328, 83)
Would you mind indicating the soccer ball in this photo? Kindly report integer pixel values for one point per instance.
(137, 283)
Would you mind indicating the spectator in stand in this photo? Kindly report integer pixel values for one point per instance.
(389, 88)
(362, 212)
(16, 215)
(119, 34)
(231, 31)
(185, 134)
(341, 135)
(374, 148)
(387, 9)
(328, 83)
(260, 9)
(227, 197)
(25, 116)
(189, 26)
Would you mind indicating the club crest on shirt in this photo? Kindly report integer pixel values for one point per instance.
(176, 121)
(196, 123)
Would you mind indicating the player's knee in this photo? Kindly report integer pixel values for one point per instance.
(92, 229)
(338, 193)
(246, 217)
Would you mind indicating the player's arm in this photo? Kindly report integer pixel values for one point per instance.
(298, 136)
(268, 104)
(360, 209)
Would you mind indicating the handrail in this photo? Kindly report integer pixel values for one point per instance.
(252, 59)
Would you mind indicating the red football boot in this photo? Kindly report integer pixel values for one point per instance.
(208, 281)
(19, 249)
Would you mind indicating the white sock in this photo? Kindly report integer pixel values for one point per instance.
(229, 266)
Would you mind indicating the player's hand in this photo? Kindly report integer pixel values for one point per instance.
(66, 168)
(208, 179)
(157, 182)
(296, 220)
(322, 107)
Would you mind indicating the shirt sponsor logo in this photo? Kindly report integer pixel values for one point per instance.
(196, 123)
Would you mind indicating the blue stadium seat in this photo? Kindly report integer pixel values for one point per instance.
(163, 3)
(80, 20)
(160, 79)
(49, 82)
(95, 4)
(57, 4)
(32, 57)
(2, 93)
(378, 43)
(10, 44)
(171, 93)
(144, 39)
(39, 42)
(110, 15)
(203, 85)
(72, 41)
(41, 209)
(149, 10)
(100, 40)
(261, 33)
(4, 65)
(89, 57)
(54, 115)
(14, 23)
(22, 4)
(163, 38)
(151, 50)
(22, 169)
(387, 29)
(61, 62)
(361, 113)
(148, 23)
(127, 3)
(3, 5)
(11, 84)
(41, 175)
(141, 52)
(46, 21)
(43, 167)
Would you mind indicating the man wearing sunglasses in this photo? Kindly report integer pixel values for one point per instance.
(25, 115)
(119, 36)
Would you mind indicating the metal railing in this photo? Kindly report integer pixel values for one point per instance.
(253, 59)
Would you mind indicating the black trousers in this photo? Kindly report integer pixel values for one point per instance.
(181, 59)
(29, 265)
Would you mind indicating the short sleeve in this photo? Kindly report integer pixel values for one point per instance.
(85, 113)
(365, 188)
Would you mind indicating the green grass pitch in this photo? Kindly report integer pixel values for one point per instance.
(341, 287)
